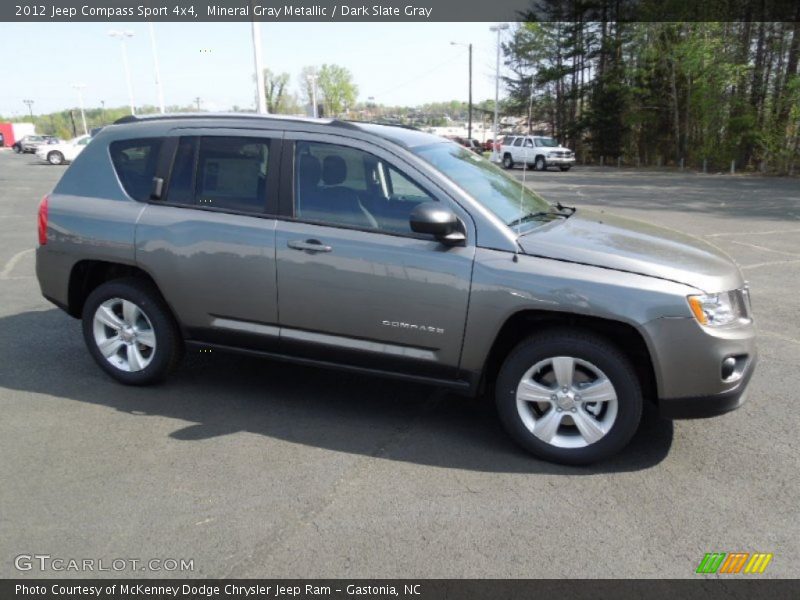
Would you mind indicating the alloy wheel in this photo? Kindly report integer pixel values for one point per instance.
(124, 335)
(567, 402)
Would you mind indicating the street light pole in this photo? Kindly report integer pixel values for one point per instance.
(159, 88)
(122, 36)
(79, 87)
(261, 92)
(469, 122)
(312, 79)
(30, 105)
(498, 29)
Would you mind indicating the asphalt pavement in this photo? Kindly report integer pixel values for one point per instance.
(250, 468)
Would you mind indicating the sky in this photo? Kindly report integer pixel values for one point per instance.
(396, 63)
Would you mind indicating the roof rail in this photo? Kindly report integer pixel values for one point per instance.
(126, 119)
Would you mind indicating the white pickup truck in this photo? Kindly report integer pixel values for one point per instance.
(539, 151)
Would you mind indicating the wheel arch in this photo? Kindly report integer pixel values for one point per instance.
(520, 325)
(87, 275)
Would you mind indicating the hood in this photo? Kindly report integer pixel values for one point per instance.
(603, 240)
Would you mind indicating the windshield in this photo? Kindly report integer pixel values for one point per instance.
(500, 193)
(548, 142)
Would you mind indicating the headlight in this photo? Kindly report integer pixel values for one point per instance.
(717, 310)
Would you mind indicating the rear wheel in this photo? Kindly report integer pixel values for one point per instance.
(55, 157)
(130, 332)
(569, 397)
(17, 148)
(508, 163)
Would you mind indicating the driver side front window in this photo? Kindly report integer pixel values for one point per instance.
(344, 186)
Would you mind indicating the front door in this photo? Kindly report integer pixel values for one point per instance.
(356, 285)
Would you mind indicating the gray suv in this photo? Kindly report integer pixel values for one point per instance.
(389, 251)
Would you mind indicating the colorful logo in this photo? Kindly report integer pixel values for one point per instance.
(734, 562)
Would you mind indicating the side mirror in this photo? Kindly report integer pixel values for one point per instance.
(437, 220)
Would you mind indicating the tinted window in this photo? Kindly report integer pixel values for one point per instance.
(344, 186)
(518, 142)
(135, 164)
(232, 173)
(181, 181)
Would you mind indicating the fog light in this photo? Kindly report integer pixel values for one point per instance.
(733, 367)
(728, 367)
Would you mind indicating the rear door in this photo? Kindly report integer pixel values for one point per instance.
(356, 284)
(209, 242)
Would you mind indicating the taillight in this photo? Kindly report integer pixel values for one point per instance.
(43, 220)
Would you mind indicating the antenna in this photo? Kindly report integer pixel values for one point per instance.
(524, 163)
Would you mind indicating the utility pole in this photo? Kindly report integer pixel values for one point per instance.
(261, 106)
(197, 101)
(103, 111)
(159, 89)
(79, 87)
(30, 107)
(498, 29)
(122, 36)
(469, 122)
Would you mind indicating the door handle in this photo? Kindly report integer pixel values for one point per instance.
(309, 245)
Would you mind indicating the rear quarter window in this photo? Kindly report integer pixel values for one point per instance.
(135, 164)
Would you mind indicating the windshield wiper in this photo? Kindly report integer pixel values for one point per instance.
(531, 216)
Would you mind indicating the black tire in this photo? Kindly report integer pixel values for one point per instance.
(55, 157)
(508, 163)
(565, 169)
(540, 164)
(169, 344)
(587, 347)
(17, 148)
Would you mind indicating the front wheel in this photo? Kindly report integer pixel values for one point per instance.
(541, 164)
(55, 157)
(569, 397)
(130, 332)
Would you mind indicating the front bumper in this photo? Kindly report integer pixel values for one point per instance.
(687, 360)
(699, 407)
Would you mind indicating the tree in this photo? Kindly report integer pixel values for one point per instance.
(336, 88)
(275, 90)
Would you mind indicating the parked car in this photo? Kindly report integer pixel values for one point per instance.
(63, 152)
(389, 251)
(471, 144)
(537, 151)
(30, 143)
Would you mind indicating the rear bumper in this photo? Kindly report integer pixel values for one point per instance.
(699, 407)
(561, 162)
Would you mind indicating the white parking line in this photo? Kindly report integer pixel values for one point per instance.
(771, 263)
(12, 262)
(740, 233)
(764, 248)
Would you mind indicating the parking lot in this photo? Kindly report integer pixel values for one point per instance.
(253, 468)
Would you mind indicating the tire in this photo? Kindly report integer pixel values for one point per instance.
(540, 164)
(143, 354)
(55, 157)
(17, 148)
(508, 163)
(610, 423)
(565, 169)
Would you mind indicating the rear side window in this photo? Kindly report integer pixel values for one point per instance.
(224, 172)
(135, 163)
